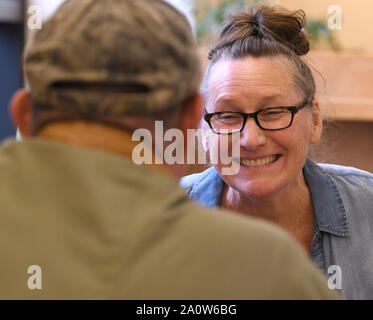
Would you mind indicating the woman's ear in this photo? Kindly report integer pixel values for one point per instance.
(316, 123)
(20, 108)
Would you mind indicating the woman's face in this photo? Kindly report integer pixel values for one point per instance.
(251, 84)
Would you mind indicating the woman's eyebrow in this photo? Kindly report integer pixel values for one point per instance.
(270, 97)
(226, 100)
(227, 103)
(264, 98)
(267, 100)
(226, 106)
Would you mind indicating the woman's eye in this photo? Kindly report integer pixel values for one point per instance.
(229, 116)
(273, 113)
(269, 112)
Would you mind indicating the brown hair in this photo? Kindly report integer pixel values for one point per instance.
(264, 31)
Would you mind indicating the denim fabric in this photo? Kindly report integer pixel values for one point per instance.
(342, 199)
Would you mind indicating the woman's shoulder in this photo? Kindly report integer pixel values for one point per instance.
(352, 183)
(345, 171)
(353, 177)
(205, 187)
(190, 181)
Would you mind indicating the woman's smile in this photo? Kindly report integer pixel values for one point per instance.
(259, 161)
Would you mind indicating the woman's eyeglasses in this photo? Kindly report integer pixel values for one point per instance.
(276, 118)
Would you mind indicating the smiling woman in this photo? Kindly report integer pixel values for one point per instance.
(254, 84)
(258, 84)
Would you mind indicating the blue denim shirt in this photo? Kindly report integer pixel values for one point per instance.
(342, 199)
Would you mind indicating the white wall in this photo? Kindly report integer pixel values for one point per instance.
(11, 11)
(48, 6)
(187, 7)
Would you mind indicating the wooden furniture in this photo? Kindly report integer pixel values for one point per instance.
(346, 98)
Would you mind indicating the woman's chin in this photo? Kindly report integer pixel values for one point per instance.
(257, 189)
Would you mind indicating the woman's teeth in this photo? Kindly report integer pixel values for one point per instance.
(258, 162)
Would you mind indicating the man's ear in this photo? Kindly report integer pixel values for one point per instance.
(190, 118)
(20, 108)
(192, 113)
(316, 123)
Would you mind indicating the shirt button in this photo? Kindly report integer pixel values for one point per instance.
(317, 238)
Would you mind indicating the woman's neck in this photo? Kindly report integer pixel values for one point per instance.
(290, 208)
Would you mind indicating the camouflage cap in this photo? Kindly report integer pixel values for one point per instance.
(113, 57)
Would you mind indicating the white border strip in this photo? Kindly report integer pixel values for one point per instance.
(11, 11)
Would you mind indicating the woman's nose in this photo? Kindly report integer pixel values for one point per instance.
(252, 136)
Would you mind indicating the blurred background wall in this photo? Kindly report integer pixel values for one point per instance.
(356, 34)
(347, 96)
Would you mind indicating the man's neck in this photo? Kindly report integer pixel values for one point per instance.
(101, 137)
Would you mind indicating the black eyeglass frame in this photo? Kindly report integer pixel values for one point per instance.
(293, 110)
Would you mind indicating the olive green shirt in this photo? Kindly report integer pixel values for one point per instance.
(100, 227)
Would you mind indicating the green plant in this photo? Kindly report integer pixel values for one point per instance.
(211, 18)
(320, 35)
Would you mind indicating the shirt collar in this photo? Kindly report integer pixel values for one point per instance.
(209, 188)
(327, 202)
(330, 213)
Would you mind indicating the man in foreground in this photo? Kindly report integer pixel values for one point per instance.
(79, 220)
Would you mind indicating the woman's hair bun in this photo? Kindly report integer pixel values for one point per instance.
(264, 31)
(270, 23)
